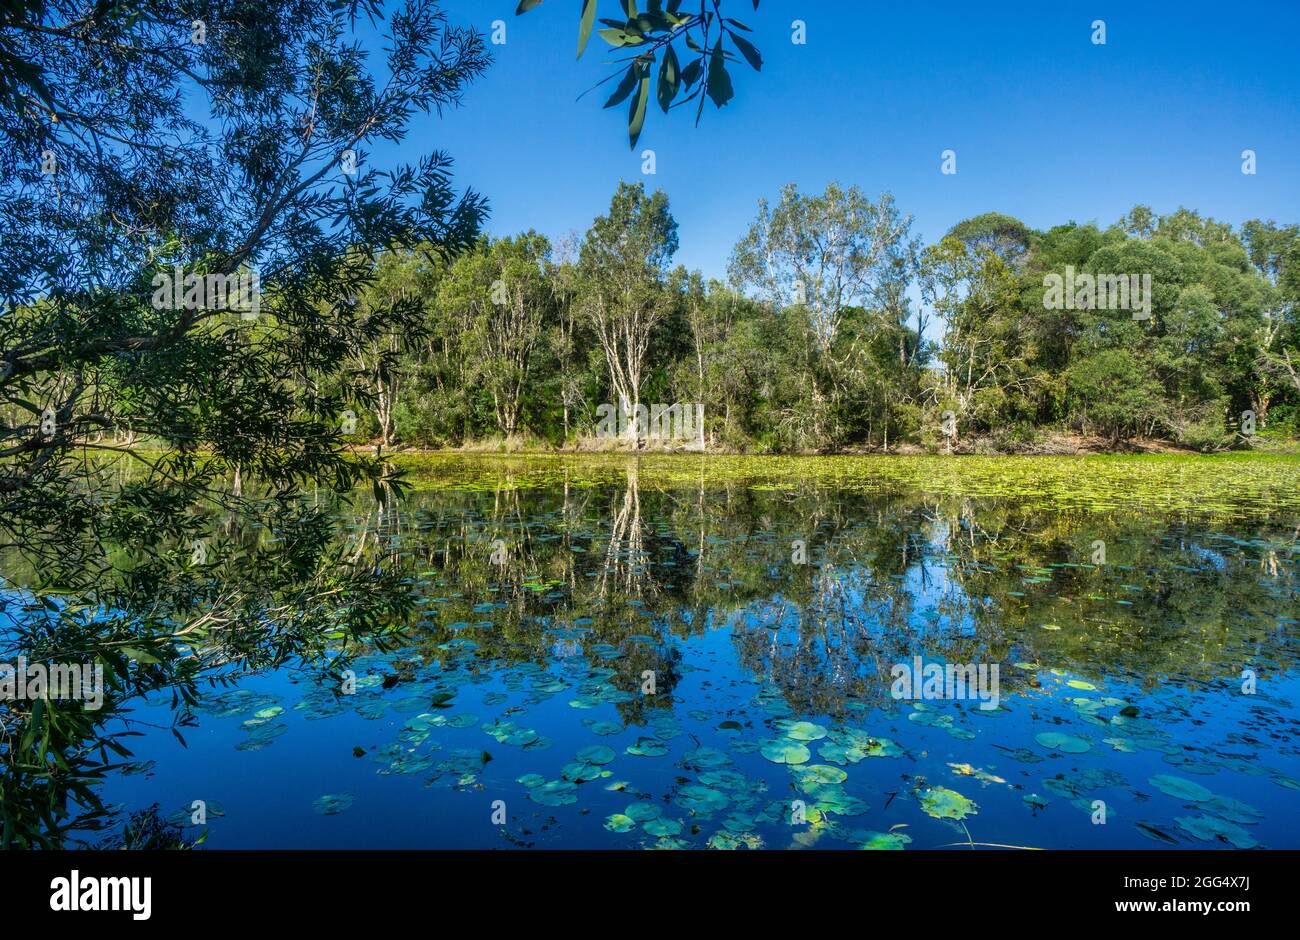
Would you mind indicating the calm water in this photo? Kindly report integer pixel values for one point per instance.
(771, 722)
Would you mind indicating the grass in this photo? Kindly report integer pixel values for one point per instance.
(1229, 484)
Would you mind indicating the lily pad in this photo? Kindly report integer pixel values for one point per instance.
(1180, 787)
(620, 823)
(785, 752)
(1067, 743)
(331, 804)
(942, 803)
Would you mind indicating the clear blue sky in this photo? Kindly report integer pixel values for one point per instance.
(1047, 126)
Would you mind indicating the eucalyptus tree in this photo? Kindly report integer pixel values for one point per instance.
(1274, 252)
(506, 288)
(825, 253)
(841, 261)
(195, 143)
(623, 269)
(974, 292)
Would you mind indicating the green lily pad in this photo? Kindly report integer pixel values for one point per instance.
(662, 826)
(813, 774)
(620, 823)
(881, 841)
(643, 811)
(1212, 829)
(1066, 743)
(785, 752)
(701, 799)
(705, 758)
(554, 793)
(805, 731)
(596, 754)
(1180, 788)
(648, 747)
(942, 803)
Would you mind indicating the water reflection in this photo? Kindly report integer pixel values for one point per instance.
(765, 622)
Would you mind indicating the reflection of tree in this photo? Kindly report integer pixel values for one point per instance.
(841, 622)
(889, 576)
(262, 589)
(627, 564)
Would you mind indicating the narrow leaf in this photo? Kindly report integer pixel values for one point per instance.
(669, 78)
(636, 112)
(584, 27)
(719, 82)
(750, 53)
(624, 87)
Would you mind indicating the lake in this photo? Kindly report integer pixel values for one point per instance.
(703, 652)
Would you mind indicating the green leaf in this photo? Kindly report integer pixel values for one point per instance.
(33, 724)
(691, 74)
(619, 37)
(719, 82)
(624, 87)
(750, 53)
(636, 112)
(584, 26)
(139, 655)
(525, 6)
(669, 79)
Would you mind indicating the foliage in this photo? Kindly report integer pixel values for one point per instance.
(135, 429)
(652, 37)
(816, 345)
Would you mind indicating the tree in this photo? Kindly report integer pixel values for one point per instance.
(985, 355)
(505, 286)
(1116, 394)
(824, 253)
(1274, 252)
(112, 191)
(623, 264)
(831, 260)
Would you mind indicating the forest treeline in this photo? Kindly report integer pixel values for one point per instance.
(836, 329)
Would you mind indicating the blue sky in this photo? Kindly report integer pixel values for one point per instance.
(1046, 125)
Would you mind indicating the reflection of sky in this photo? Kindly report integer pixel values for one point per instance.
(1201, 725)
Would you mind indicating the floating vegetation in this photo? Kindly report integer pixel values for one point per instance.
(617, 822)
(662, 826)
(878, 841)
(332, 804)
(700, 799)
(554, 793)
(1212, 829)
(648, 747)
(772, 724)
(785, 752)
(1180, 788)
(1066, 743)
(942, 803)
(805, 731)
